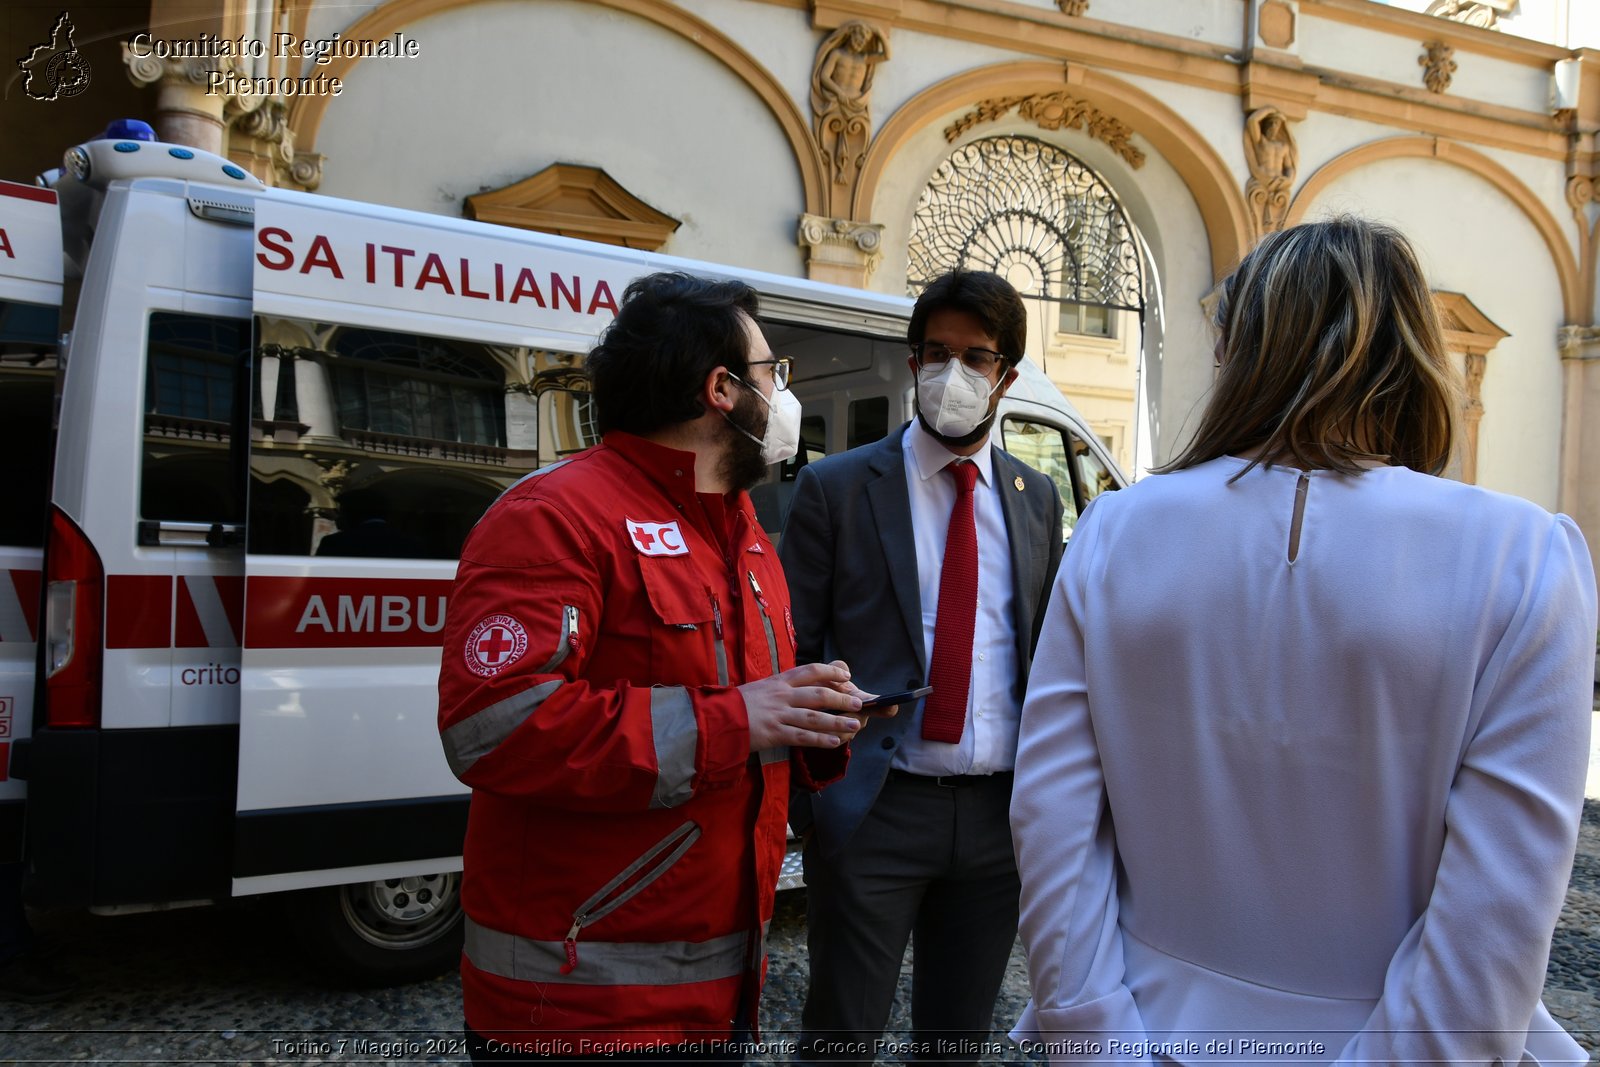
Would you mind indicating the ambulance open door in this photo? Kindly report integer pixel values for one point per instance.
(396, 398)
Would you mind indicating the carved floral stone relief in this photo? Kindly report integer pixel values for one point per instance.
(1437, 65)
(1054, 111)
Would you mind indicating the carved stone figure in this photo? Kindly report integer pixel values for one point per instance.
(1073, 7)
(1437, 66)
(1467, 12)
(841, 90)
(1273, 158)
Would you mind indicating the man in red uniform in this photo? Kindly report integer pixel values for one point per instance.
(619, 690)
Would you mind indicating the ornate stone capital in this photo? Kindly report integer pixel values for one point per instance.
(306, 170)
(839, 250)
(1579, 342)
(151, 69)
(1054, 111)
(1581, 192)
(187, 112)
(864, 237)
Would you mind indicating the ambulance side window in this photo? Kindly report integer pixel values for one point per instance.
(378, 443)
(869, 421)
(1079, 474)
(1094, 477)
(195, 424)
(1043, 447)
(27, 391)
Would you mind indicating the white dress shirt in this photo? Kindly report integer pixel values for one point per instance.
(989, 738)
(1328, 803)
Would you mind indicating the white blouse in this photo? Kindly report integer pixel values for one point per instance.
(1312, 810)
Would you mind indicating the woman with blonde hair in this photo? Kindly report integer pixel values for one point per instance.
(1302, 759)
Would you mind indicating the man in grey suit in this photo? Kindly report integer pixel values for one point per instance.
(924, 557)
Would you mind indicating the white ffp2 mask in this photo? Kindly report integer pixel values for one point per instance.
(782, 439)
(953, 399)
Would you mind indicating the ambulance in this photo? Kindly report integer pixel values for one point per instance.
(246, 432)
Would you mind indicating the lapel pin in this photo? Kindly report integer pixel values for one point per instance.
(1018, 483)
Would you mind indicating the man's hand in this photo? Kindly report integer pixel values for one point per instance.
(812, 706)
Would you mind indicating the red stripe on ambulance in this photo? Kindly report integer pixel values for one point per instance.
(345, 612)
(25, 587)
(27, 192)
(19, 606)
(138, 611)
(205, 618)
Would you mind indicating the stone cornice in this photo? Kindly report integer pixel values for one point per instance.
(1411, 24)
(1109, 46)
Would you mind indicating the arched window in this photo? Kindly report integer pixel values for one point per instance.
(415, 386)
(1033, 214)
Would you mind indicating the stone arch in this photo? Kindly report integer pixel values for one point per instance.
(1566, 263)
(1214, 187)
(305, 117)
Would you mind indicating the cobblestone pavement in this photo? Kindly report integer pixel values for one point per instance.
(216, 985)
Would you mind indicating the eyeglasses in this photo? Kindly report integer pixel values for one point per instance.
(979, 360)
(782, 370)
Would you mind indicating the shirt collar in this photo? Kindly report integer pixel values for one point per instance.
(931, 456)
(671, 468)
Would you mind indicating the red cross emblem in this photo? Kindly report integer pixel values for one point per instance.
(657, 538)
(495, 644)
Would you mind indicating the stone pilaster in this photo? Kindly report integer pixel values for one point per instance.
(1580, 430)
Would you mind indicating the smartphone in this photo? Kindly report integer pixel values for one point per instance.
(888, 699)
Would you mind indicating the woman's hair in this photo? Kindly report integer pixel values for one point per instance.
(1331, 354)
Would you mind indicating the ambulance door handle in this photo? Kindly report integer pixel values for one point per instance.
(153, 534)
(220, 536)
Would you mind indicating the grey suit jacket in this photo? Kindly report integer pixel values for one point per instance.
(851, 561)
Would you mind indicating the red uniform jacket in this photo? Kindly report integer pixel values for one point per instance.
(624, 844)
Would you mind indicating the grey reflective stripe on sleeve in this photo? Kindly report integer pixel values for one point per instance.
(676, 736)
(776, 754)
(534, 474)
(607, 962)
(478, 734)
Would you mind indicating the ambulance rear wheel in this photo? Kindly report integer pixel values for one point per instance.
(386, 932)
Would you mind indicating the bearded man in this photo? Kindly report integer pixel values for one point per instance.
(619, 689)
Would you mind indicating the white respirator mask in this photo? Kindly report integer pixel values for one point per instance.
(782, 439)
(953, 399)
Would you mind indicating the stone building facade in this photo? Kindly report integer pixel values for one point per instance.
(1113, 157)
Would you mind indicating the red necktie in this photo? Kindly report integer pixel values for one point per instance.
(950, 673)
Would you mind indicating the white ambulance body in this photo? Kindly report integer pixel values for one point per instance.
(279, 415)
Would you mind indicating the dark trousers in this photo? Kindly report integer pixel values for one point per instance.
(561, 1050)
(933, 865)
